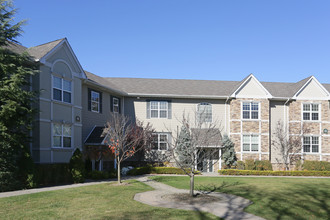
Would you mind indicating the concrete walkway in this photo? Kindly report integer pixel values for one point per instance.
(51, 188)
(229, 206)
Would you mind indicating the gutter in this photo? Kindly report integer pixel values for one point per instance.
(175, 96)
(118, 92)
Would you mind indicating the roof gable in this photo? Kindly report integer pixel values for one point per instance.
(250, 87)
(312, 89)
(59, 50)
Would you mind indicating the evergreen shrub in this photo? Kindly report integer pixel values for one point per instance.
(77, 167)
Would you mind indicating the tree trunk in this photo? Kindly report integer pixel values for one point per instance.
(192, 184)
(118, 170)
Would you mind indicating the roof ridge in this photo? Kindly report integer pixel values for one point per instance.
(207, 80)
(48, 42)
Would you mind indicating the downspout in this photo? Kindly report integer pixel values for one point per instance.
(226, 114)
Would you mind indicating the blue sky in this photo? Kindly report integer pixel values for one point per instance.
(276, 40)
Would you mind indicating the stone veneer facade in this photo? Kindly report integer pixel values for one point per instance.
(240, 126)
(311, 128)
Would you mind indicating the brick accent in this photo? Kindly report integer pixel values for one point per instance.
(264, 143)
(325, 144)
(250, 156)
(311, 157)
(326, 158)
(264, 127)
(250, 127)
(235, 109)
(311, 127)
(235, 127)
(236, 138)
(265, 157)
(295, 128)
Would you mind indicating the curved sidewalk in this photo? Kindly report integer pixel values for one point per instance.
(229, 206)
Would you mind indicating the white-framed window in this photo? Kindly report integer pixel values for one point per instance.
(250, 110)
(115, 105)
(204, 112)
(311, 112)
(311, 144)
(95, 101)
(160, 141)
(158, 109)
(250, 143)
(62, 89)
(62, 135)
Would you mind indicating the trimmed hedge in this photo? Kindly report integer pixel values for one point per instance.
(274, 173)
(313, 165)
(156, 170)
(101, 175)
(52, 174)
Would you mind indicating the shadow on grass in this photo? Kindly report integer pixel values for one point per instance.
(151, 215)
(301, 202)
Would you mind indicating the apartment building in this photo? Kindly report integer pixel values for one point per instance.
(74, 106)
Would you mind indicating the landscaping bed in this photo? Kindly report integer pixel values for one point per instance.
(274, 173)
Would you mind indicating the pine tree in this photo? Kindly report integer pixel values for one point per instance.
(16, 111)
(183, 148)
(229, 156)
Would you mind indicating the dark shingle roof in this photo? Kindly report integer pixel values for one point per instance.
(211, 136)
(41, 50)
(16, 48)
(96, 136)
(174, 87)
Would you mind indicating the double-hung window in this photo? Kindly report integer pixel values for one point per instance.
(311, 144)
(158, 109)
(204, 112)
(62, 135)
(310, 112)
(160, 141)
(250, 143)
(61, 90)
(95, 101)
(115, 105)
(250, 110)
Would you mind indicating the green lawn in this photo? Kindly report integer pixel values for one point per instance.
(103, 201)
(274, 198)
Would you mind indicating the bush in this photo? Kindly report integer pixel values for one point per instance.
(263, 165)
(52, 174)
(240, 165)
(157, 170)
(250, 165)
(313, 165)
(274, 173)
(77, 167)
(101, 175)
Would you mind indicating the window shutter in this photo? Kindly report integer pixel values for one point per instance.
(111, 103)
(169, 112)
(89, 99)
(119, 105)
(100, 102)
(148, 109)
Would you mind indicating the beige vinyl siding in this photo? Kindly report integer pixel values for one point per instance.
(137, 108)
(312, 90)
(278, 113)
(251, 89)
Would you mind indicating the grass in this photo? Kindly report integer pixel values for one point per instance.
(103, 201)
(273, 198)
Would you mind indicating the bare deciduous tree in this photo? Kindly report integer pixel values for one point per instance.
(125, 138)
(288, 145)
(196, 145)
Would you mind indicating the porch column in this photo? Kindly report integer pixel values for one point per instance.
(220, 159)
(93, 164)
